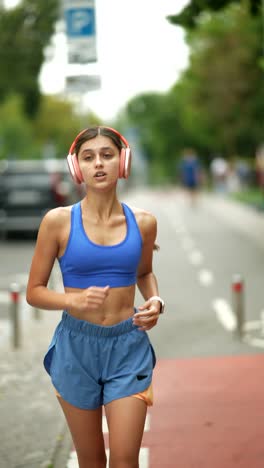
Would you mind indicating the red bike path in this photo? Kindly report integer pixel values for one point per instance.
(208, 413)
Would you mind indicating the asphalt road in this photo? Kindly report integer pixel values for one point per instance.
(201, 248)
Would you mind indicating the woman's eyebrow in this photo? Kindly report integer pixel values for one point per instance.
(90, 150)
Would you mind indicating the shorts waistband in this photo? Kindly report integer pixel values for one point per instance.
(92, 329)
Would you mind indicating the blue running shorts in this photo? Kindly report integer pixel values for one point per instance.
(91, 365)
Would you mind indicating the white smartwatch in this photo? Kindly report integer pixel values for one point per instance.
(162, 303)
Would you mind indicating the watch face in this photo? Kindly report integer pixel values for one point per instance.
(162, 305)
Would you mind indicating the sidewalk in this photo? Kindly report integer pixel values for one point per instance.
(31, 424)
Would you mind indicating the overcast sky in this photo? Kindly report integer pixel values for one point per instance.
(138, 50)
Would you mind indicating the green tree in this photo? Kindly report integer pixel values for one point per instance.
(158, 120)
(216, 105)
(24, 33)
(54, 127)
(57, 123)
(189, 17)
(16, 135)
(225, 83)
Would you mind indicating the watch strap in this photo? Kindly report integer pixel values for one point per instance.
(162, 303)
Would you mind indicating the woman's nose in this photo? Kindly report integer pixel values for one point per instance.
(98, 161)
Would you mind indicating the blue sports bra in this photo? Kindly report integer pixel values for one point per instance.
(85, 263)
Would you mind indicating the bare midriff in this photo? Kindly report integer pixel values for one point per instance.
(118, 306)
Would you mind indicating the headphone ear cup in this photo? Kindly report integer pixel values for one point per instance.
(74, 168)
(125, 163)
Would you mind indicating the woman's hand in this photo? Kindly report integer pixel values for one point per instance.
(89, 299)
(149, 317)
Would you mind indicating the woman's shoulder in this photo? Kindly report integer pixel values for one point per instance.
(57, 216)
(145, 219)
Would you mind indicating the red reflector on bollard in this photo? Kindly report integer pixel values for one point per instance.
(14, 296)
(237, 287)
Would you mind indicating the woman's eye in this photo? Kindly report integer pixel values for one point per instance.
(88, 158)
(107, 155)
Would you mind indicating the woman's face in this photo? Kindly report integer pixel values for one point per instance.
(99, 162)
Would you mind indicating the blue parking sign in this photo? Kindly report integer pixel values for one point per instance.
(80, 22)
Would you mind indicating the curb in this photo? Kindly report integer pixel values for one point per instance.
(62, 449)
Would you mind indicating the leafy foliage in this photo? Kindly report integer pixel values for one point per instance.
(16, 132)
(217, 104)
(189, 16)
(53, 129)
(227, 82)
(24, 33)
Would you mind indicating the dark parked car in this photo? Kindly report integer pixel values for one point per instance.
(28, 189)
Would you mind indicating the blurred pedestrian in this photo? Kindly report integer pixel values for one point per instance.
(190, 174)
(219, 174)
(244, 173)
(100, 354)
(232, 178)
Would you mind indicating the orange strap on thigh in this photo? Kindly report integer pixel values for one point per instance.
(146, 395)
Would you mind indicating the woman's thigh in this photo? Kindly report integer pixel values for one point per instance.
(126, 420)
(86, 430)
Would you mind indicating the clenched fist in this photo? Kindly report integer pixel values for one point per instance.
(89, 299)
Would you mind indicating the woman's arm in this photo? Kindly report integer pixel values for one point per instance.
(146, 279)
(46, 251)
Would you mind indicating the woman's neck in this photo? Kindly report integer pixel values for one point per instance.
(102, 205)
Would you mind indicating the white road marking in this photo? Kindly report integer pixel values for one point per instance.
(225, 314)
(262, 322)
(187, 243)
(179, 229)
(175, 221)
(147, 423)
(195, 257)
(254, 332)
(252, 325)
(178, 226)
(251, 328)
(4, 297)
(205, 277)
(104, 425)
(72, 462)
(5, 329)
(253, 341)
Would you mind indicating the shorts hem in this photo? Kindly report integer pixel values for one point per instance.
(94, 407)
(73, 403)
(129, 394)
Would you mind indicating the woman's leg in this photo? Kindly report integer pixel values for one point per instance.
(87, 435)
(125, 419)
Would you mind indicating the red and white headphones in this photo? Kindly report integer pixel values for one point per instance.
(124, 164)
